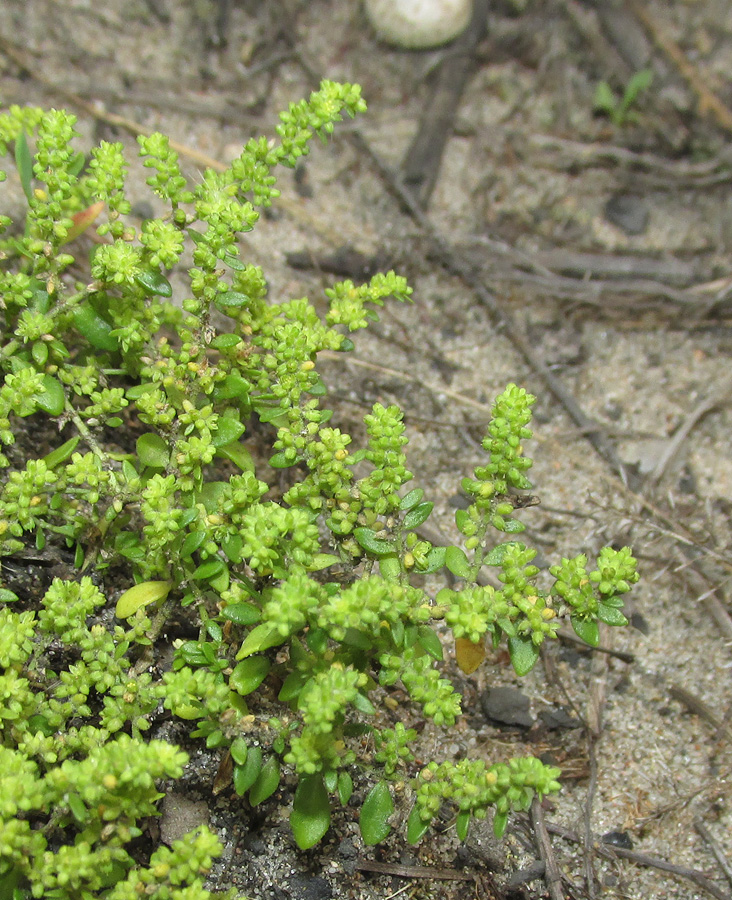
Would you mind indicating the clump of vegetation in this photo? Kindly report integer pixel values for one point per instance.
(309, 598)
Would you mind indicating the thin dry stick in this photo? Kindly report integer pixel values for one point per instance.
(552, 875)
(595, 709)
(709, 102)
(720, 398)
(699, 708)
(715, 848)
(651, 862)
(458, 266)
(431, 872)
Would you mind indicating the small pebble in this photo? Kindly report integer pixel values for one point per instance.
(506, 705)
(618, 839)
(628, 212)
(418, 24)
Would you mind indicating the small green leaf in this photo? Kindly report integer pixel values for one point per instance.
(411, 499)
(457, 562)
(267, 782)
(39, 352)
(605, 99)
(155, 283)
(260, 638)
(225, 341)
(7, 596)
(153, 451)
(586, 629)
(141, 595)
(249, 674)
(238, 454)
(230, 300)
(192, 542)
(242, 613)
(24, 162)
(345, 787)
(429, 641)
(435, 560)
(462, 825)
(610, 615)
(78, 810)
(212, 568)
(416, 826)
(62, 453)
(233, 262)
(281, 461)
(234, 387)
(322, 561)
(246, 774)
(363, 704)
(638, 83)
(523, 653)
(390, 567)
(513, 526)
(462, 519)
(292, 685)
(53, 398)
(232, 546)
(500, 820)
(227, 431)
(375, 812)
(211, 493)
(418, 515)
(239, 750)
(367, 539)
(310, 817)
(128, 544)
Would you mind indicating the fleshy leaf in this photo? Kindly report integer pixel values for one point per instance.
(267, 782)
(587, 629)
(524, 654)
(457, 562)
(155, 283)
(418, 515)
(249, 674)
(246, 774)
(310, 816)
(153, 451)
(141, 595)
(367, 539)
(416, 826)
(375, 812)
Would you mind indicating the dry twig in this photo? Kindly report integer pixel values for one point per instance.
(641, 859)
(552, 874)
(709, 102)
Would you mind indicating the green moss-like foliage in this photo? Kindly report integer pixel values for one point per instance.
(312, 592)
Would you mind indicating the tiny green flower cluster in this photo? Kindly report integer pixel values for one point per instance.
(393, 747)
(73, 787)
(473, 787)
(595, 596)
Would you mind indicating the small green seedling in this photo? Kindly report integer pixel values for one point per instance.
(619, 109)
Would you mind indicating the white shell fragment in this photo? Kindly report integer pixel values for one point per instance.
(418, 24)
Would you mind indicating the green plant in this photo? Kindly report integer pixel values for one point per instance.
(312, 592)
(619, 108)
